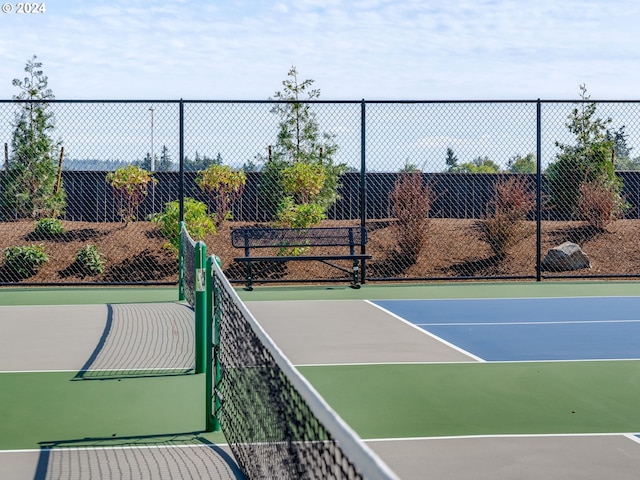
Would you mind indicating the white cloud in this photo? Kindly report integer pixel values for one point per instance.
(375, 49)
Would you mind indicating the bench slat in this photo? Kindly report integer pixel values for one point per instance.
(291, 258)
(265, 237)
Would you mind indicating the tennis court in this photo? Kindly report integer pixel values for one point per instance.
(457, 381)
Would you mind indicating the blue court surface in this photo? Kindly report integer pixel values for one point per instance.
(530, 329)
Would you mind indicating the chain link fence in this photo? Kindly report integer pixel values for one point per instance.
(446, 190)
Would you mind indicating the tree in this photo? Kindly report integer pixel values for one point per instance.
(526, 164)
(451, 160)
(622, 152)
(201, 162)
(479, 165)
(163, 164)
(33, 187)
(589, 160)
(299, 140)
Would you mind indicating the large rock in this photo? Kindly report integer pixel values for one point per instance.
(567, 256)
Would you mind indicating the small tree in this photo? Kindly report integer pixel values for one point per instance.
(590, 159)
(299, 140)
(224, 186)
(130, 185)
(32, 187)
(451, 160)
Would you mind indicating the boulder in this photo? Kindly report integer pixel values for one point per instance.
(567, 256)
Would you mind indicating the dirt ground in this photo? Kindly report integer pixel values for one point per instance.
(134, 253)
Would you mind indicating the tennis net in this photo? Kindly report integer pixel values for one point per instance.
(276, 424)
(187, 267)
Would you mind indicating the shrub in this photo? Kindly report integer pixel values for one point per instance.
(224, 186)
(25, 261)
(49, 227)
(197, 220)
(303, 180)
(411, 203)
(130, 185)
(294, 215)
(600, 203)
(90, 260)
(502, 225)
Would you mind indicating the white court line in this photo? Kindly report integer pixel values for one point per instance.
(571, 297)
(114, 370)
(631, 436)
(525, 323)
(425, 332)
(115, 447)
(583, 360)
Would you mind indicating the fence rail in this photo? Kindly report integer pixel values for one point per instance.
(451, 142)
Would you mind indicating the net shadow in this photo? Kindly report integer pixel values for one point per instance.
(143, 340)
(175, 456)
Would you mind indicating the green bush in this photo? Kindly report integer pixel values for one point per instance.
(294, 215)
(130, 185)
(198, 222)
(224, 186)
(49, 227)
(90, 260)
(25, 261)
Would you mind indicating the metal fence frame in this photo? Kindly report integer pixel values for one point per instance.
(357, 190)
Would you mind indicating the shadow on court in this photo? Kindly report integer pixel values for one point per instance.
(148, 457)
(142, 341)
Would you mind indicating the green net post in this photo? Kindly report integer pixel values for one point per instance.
(181, 279)
(214, 370)
(200, 307)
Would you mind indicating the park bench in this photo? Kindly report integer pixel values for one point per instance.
(286, 239)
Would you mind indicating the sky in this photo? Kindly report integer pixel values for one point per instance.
(352, 49)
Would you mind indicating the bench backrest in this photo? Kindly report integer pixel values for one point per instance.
(263, 237)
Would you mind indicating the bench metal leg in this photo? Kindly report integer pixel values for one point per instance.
(355, 282)
(249, 282)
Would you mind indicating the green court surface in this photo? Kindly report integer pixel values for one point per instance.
(44, 407)
(95, 295)
(425, 400)
(390, 400)
(85, 295)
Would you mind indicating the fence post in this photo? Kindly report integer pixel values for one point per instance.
(181, 157)
(363, 184)
(538, 192)
(213, 369)
(200, 307)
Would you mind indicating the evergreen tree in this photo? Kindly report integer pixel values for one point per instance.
(201, 162)
(622, 152)
(451, 160)
(588, 160)
(31, 188)
(299, 140)
(162, 164)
